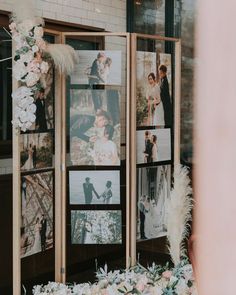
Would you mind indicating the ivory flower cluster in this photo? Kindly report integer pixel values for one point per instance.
(28, 68)
(154, 280)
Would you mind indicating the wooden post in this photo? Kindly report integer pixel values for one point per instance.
(16, 199)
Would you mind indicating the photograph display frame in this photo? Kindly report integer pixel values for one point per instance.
(153, 193)
(95, 132)
(96, 227)
(61, 145)
(94, 187)
(97, 67)
(37, 213)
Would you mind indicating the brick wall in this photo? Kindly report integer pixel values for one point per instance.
(107, 14)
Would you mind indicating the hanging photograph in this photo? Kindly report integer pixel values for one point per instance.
(36, 213)
(153, 192)
(94, 187)
(165, 82)
(153, 145)
(36, 151)
(150, 110)
(96, 227)
(95, 127)
(44, 101)
(97, 67)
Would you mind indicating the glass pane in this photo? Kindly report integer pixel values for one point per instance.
(155, 134)
(5, 164)
(37, 189)
(149, 16)
(5, 92)
(96, 187)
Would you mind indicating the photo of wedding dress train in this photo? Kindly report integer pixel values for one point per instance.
(153, 192)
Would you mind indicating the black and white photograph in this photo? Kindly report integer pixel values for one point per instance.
(95, 127)
(153, 145)
(36, 151)
(94, 187)
(36, 213)
(96, 227)
(153, 192)
(97, 67)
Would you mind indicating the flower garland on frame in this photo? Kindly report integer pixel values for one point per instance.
(30, 66)
(32, 60)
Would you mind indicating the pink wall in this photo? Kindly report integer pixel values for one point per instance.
(215, 147)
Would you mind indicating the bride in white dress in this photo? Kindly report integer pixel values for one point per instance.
(105, 150)
(160, 208)
(155, 106)
(88, 233)
(105, 71)
(36, 248)
(29, 162)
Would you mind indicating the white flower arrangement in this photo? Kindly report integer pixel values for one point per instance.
(28, 69)
(154, 280)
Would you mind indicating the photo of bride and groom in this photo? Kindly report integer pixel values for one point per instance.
(154, 102)
(95, 127)
(36, 151)
(153, 192)
(96, 67)
(96, 227)
(153, 145)
(94, 187)
(36, 228)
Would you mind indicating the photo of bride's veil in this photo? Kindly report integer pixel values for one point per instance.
(154, 184)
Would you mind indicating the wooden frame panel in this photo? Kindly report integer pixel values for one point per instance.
(60, 155)
(17, 185)
(133, 152)
(128, 234)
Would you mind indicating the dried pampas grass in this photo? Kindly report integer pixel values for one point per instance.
(24, 10)
(179, 213)
(64, 57)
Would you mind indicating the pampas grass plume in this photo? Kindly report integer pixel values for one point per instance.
(179, 213)
(64, 57)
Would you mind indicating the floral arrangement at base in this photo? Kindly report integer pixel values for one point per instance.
(156, 279)
(153, 280)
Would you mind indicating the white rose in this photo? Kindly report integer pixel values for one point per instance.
(35, 48)
(38, 32)
(23, 116)
(181, 287)
(31, 79)
(12, 27)
(157, 290)
(31, 108)
(19, 70)
(19, 39)
(44, 67)
(27, 57)
(26, 26)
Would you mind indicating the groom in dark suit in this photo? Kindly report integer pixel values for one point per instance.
(165, 95)
(88, 191)
(43, 232)
(95, 78)
(40, 122)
